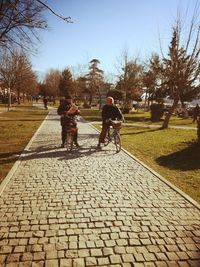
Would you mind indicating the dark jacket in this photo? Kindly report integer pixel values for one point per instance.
(65, 119)
(111, 112)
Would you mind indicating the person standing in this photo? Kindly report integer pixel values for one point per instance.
(68, 112)
(45, 101)
(109, 111)
(196, 113)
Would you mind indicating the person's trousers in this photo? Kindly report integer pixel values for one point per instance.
(64, 134)
(105, 126)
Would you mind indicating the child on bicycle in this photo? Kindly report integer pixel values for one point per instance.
(68, 111)
(109, 112)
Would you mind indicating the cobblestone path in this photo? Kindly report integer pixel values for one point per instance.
(92, 208)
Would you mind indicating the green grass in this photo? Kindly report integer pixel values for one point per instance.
(144, 117)
(91, 114)
(16, 129)
(173, 153)
(138, 117)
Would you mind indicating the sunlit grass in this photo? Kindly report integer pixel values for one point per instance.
(173, 154)
(139, 117)
(16, 129)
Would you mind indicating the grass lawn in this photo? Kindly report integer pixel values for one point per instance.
(138, 117)
(144, 117)
(173, 153)
(16, 129)
(91, 114)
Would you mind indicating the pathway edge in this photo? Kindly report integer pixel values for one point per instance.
(10, 174)
(183, 194)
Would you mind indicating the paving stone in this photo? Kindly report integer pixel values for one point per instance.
(78, 262)
(65, 263)
(92, 208)
(25, 264)
(13, 257)
(103, 261)
(91, 261)
(115, 259)
(51, 263)
(127, 258)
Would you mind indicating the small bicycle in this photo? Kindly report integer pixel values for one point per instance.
(113, 134)
(69, 141)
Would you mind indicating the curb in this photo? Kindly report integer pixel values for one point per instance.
(176, 189)
(10, 174)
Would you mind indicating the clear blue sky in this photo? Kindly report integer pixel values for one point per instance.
(102, 29)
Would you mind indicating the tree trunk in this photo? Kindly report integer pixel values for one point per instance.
(23, 97)
(148, 102)
(18, 96)
(9, 99)
(145, 100)
(169, 114)
(90, 99)
(100, 101)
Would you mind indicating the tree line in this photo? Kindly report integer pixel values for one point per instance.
(20, 23)
(175, 75)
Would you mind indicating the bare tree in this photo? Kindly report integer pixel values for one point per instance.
(20, 21)
(27, 87)
(130, 81)
(15, 70)
(181, 69)
(52, 80)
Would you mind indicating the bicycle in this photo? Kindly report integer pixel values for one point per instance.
(69, 141)
(113, 134)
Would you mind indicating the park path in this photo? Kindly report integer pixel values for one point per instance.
(92, 208)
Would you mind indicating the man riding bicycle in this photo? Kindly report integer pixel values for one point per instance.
(68, 111)
(109, 112)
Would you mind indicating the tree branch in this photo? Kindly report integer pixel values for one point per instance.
(67, 19)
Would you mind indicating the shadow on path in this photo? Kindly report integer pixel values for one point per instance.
(62, 154)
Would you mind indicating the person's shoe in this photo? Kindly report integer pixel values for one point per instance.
(76, 144)
(98, 146)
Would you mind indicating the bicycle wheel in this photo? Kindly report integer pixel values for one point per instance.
(117, 141)
(69, 141)
(107, 138)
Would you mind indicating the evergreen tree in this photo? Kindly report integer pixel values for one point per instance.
(66, 83)
(181, 72)
(94, 80)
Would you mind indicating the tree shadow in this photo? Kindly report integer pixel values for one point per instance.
(141, 132)
(142, 119)
(30, 120)
(62, 154)
(21, 120)
(184, 160)
(9, 157)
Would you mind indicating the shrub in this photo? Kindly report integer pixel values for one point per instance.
(157, 111)
(86, 105)
(125, 110)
